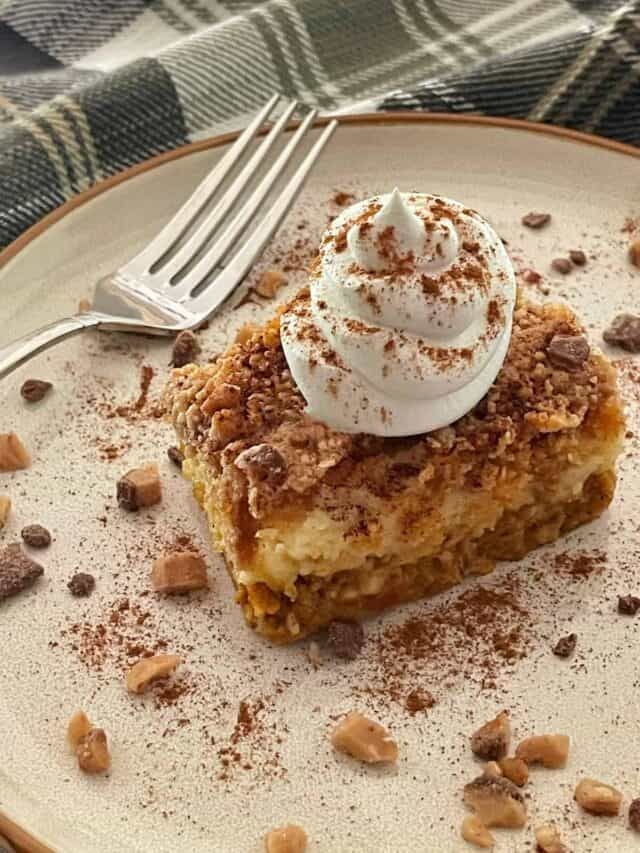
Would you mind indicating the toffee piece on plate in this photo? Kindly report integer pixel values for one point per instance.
(139, 488)
(17, 571)
(536, 220)
(81, 584)
(624, 332)
(36, 536)
(186, 348)
(34, 390)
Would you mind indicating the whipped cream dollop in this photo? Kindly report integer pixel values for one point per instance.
(408, 316)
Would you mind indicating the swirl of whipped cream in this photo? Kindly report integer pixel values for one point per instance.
(408, 316)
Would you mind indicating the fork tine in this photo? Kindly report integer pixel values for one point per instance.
(223, 286)
(174, 229)
(220, 248)
(211, 222)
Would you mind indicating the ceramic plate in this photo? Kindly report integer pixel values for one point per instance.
(238, 741)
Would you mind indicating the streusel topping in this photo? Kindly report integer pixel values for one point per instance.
(530, 400)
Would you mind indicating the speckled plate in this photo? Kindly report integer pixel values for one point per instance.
(191, 770)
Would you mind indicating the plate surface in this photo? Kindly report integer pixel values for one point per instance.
(191, 770)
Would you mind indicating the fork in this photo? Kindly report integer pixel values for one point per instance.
(191, 268)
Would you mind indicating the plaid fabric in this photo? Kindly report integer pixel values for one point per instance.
(582, 75)
(89, 87)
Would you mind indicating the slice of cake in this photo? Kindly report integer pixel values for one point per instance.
(351, 458)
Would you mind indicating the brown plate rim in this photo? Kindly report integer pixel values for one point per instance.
(382, 118)
(10, 829)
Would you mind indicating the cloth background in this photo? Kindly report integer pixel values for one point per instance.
(89, 87)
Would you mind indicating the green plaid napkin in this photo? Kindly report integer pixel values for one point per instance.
(89, 87)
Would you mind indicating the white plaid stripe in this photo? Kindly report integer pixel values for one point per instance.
(211, 92)
(583, 61)
(302, 89)
(330, 87)
(440, 48)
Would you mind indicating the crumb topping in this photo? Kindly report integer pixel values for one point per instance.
(532, 400)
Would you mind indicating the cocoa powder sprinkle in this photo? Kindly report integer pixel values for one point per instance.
(580, 564)
(478, 635)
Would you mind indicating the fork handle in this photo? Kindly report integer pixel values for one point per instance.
(16, 353)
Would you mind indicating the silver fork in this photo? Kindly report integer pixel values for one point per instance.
(179, 280)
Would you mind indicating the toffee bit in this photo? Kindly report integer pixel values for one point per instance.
(185, 349)
(36, 536)
(515, 770)
(176, 456)
(33, 390)
(531, 276)
(92, 752)
(476, 833)
(628, 605)
(81, 584)
(141, 674)
(13, 454)
(496, 801)
(78, 727)
(346, 639)
(578, 257)
(568, 352)
(624, 332)
(342, 199)
(364, 739)
(561, 265)
(286, 839)
(17, 571)
(551, 751)
(262, 463)
(548, 839)
(634, 253)
(491, 741)
(597, 797)
(565, 646)
(270, 283)
(419, 700)
(139, 487)
(536, 220)
(179, 572)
